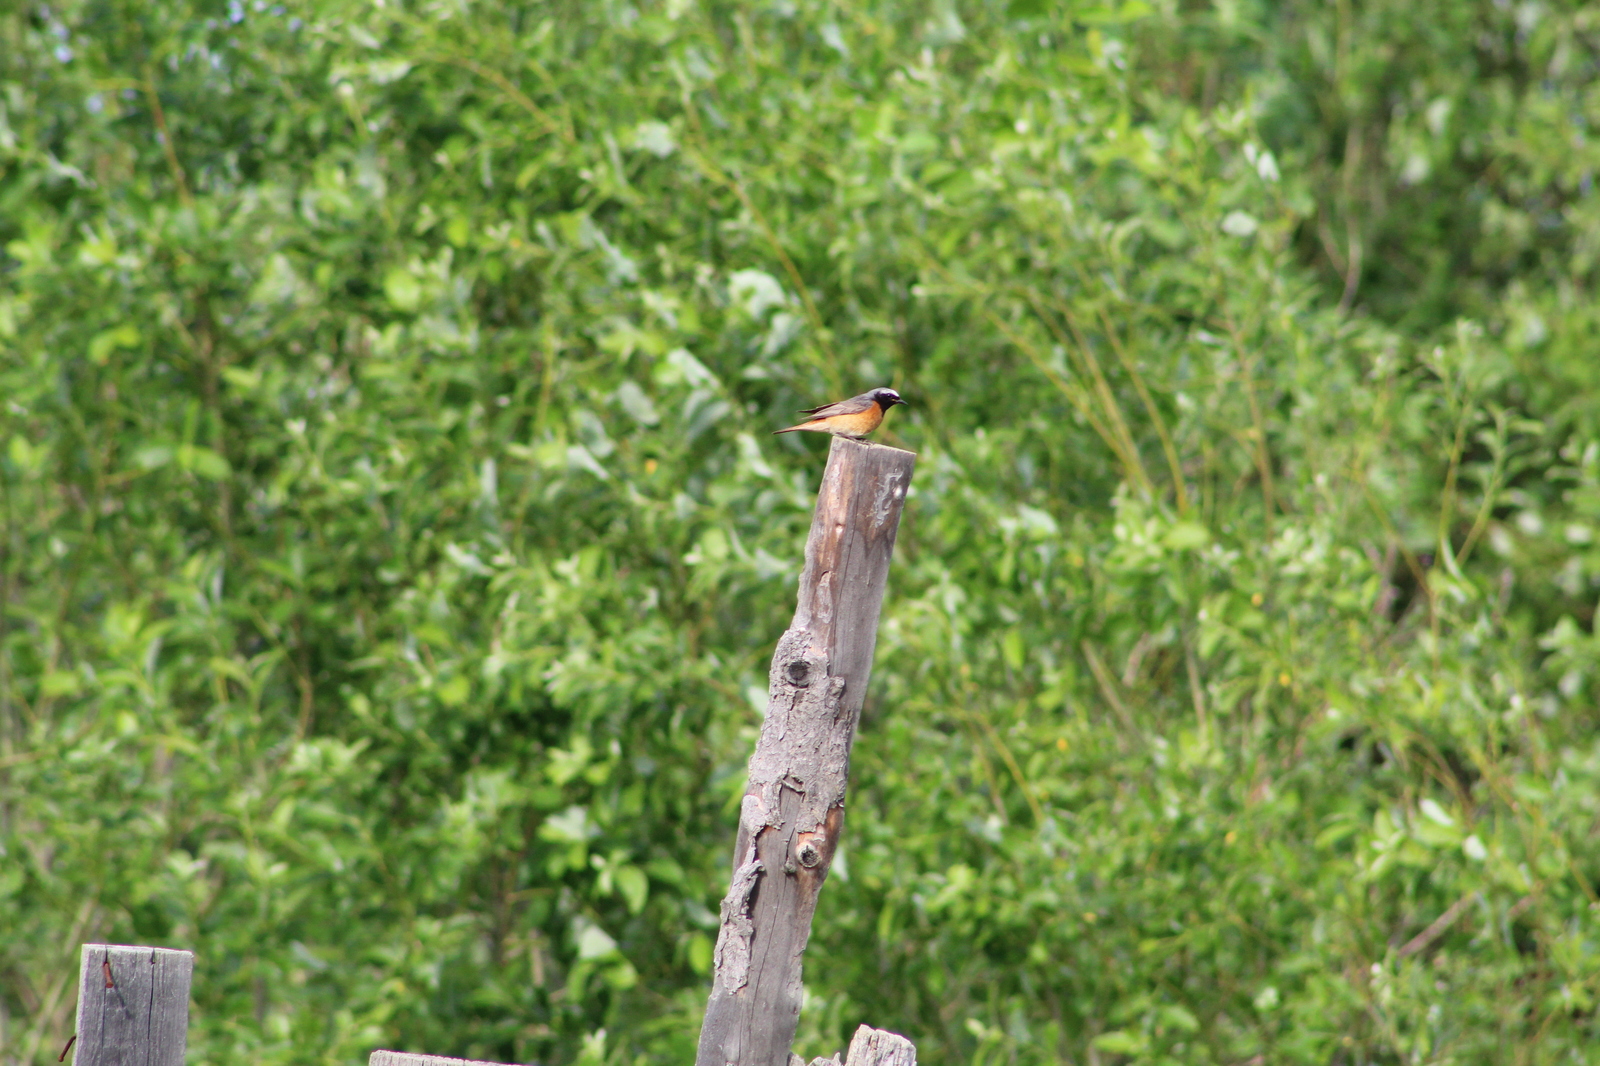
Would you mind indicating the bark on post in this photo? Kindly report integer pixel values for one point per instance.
(793, 808)
(133, 1006)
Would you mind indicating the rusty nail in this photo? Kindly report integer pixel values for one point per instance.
(105, 967)
(63, 1056)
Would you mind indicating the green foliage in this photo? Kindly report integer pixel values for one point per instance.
(393, 544)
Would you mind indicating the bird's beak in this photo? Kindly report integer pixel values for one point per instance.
(899, 401)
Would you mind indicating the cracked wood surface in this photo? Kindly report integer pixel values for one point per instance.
(133, 1006)
(793, 808)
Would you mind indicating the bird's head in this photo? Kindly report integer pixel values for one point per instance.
(886, 398)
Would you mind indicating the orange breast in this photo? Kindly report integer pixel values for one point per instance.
(856, 425)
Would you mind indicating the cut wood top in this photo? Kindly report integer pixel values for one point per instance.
(133, 1006)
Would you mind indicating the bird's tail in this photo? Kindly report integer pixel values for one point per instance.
(791, 429)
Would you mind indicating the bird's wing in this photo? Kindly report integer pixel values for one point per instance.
(853, 406)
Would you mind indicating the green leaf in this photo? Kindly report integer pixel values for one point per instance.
(1435, 813)
(107, 341)
(637, 404)
(569, 826)
(153, 456)
(595, 943)
(25, 456)
(633, 885)
(454, 692)
(1015, 650)
(402, 289)
(60, 683)
(243, 379)
(203, 461)
(1120, 1042)
(1184, 536)
(700, 948)
(1178, 1017)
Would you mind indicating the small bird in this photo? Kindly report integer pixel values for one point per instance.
(853, 418)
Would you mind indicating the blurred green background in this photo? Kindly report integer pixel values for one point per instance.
(393, 543)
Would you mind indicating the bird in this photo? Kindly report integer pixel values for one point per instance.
(853, 418)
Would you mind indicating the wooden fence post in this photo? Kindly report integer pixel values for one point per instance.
(405, 1058)
(875, 1047)
(133, 1006)
(793, 807)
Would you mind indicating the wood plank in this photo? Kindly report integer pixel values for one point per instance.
(133, 1006)
(793, 809)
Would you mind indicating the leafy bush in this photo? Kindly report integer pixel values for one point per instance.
(393, 543)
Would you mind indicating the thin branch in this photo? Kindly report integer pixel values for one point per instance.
(1258, 427)
(506, 86)
(1197, 692)
(1005, 751)
(1075, 395)
(1412, 562)
(1437, 927)
(1154, 412)
(178, 176)
(1090, 368)
(1107, 685)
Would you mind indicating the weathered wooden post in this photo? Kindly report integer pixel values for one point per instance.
(405, 1058)
(874, 1047)
(133, 1006)
(793, 806)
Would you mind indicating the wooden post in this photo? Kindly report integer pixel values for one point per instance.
(793, 807)
(873, 1047)
(133, 1006)
(405, 1058)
